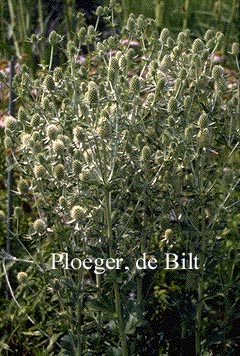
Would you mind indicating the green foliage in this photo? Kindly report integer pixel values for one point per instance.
(133, 152)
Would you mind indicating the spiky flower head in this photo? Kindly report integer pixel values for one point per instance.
(92, 93)
(77, 213)
(39, 226)
(131, 24)
(57, 74)
(172, 104)
(39, 171)
(71, 49)
(22, 115)
(217, 72)
(22, 277)
(77, 166)
(164, 35)
(204, 137)
(35, 120)
(203, 120)
(10, 123)
(82, 33)
(58, 147)
(197, 45)
(208, 35)
(54, 38)
(205, 54)
(23, 186)
(123, 62)
(49, 83)
(52, 131)
(146, 153)
(159, 86)
(181, 37)
(104, 128)
(46, 103)
(79, 134)
(135, 84)
(59, 171)
(166, 61)
(100, 11)
(235, 49)
(140, 22)
(113, 64)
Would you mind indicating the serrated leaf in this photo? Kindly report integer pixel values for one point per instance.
(104, 305)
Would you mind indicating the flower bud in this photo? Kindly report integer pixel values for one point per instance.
(39, 171)
(52, 131)
(39, 226)
(172, 105)
(78, 133)
(113, 64)
(135, 84)
(63, 202)
(23, 186)
(58, 147)
(22, 277)
(217, 72)
(59, 170)
(104, 128)
(99, 11)
(82, 33)
(204, 137)
(208, 35)
(197, 45)
(203, 120)
(10, 123)
(54, 38)
(77, 167)
(35, 120)
(235, 49)
(57, 74)
(22, 115)
(146, 153)
(49, 83)
(77, 213)
(92, 94)
(164, 35)
(159, 86)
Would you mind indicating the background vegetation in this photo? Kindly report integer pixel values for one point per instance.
(125, 140)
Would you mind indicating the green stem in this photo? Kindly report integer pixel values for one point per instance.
(13, 23)
(115, 283)
(185, 14)
(40, 17)
(159, 7)
(229, 27)
(51, 58)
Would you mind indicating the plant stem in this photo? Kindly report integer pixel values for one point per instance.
(229, 27)
(13, 24)
(159, 6)
(115, 283)
(40, 17)
(185, 14)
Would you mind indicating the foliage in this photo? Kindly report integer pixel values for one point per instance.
(132, 151)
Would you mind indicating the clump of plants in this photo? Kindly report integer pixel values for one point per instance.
(130, 150)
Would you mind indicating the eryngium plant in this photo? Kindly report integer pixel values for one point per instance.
(129, 151)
